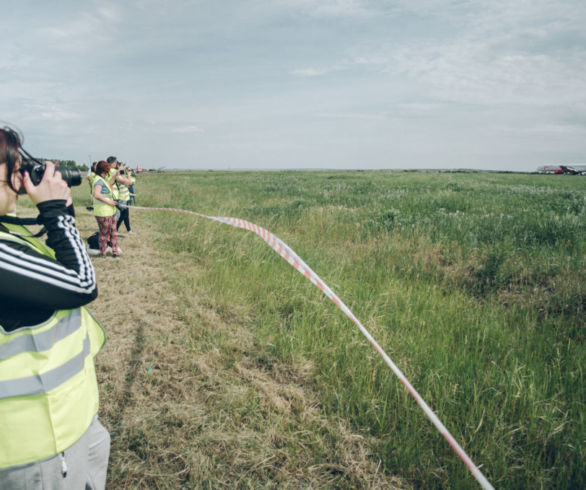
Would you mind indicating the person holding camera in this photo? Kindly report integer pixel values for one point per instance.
(123, 182)
(50, 436)
(131, 187)
(105, 207)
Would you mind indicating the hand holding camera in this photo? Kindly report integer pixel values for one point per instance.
(36, 170)
(51, 186)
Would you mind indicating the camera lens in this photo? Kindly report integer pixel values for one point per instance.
(70, 175)
(36, 170)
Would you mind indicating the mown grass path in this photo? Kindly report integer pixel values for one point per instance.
(192, 401)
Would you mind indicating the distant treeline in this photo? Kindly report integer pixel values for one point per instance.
(67, 163)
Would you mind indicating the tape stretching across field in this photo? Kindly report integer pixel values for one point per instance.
(290, 256)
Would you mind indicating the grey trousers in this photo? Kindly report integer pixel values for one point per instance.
(81, 467)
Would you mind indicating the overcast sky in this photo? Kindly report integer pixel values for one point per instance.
(260, 84)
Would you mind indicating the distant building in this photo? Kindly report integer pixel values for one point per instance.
(549, 169)
(570, 169)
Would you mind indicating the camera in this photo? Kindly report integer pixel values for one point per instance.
(36, 169)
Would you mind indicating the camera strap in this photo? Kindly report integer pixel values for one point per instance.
(13, 220)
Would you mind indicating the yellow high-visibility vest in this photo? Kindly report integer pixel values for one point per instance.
(92, 178)
(48, 386)
(123, 192)
(101, 209)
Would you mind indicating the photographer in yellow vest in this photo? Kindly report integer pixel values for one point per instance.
(105, 207)
(123, 183)
(50, 436)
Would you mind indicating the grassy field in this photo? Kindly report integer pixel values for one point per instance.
(226, 368)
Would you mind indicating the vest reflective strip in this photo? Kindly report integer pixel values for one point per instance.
(42, 341)
(45, 382)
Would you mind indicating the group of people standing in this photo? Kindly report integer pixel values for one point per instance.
(112, 191)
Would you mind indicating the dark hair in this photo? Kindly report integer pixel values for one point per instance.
(102, 167)
(10, 144)
(112, 159)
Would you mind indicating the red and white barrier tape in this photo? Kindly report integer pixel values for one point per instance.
(290, 256)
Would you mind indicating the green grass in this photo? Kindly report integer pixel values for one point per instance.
(474, 284)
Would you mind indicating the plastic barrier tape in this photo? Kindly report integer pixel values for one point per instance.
(290, 256)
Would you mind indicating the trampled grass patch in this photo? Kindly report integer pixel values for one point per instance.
(474, 284)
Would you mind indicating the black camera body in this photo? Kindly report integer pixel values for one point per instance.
(36, 170)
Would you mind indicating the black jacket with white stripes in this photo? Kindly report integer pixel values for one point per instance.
(32, 285)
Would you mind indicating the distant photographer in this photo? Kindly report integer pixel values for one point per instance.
(105, 207)
(131, 188)
(123, 182)
(50, 436)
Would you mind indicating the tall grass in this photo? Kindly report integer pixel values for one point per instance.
(473, 283)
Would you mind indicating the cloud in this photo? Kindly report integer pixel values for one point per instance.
(185, 129)
(84, 31)
(369, 59)
(277, 73)
(313, 72)
(109, 12)
(56, 113)
(477, 52)
(329, 8)
(348, 63)
(366, 116)
(474, 72)
(544, 129)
